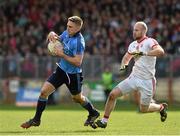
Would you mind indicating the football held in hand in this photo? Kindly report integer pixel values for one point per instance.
(52, 44)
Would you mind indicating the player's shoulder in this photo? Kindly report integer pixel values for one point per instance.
(132, 43)
(64, 34)
(80, 37)
(150, 39)
(152, 42)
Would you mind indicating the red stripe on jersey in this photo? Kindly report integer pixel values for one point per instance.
(154, 45)
(142, 39)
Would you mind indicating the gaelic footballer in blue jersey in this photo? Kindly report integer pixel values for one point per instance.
(68, 72)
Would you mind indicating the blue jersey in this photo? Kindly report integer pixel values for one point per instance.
(74, 45)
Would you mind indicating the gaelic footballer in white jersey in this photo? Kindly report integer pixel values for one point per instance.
(144, 50)
(144, 66)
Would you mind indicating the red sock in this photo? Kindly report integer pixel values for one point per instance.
(107, 117)
(161, 107)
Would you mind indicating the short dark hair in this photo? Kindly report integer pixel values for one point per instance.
(77, 20)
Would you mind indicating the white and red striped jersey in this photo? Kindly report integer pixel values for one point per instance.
(144, 66)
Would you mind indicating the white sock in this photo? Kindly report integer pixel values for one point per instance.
(104, 120)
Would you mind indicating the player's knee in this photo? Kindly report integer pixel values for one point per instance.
(44, 94)
(112, 96)
(76, 100)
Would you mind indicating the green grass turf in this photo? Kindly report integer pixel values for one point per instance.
(68, 120)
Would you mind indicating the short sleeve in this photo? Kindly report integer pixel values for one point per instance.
(153, 43)
(80, 47)
(62, 36)
(131, 48)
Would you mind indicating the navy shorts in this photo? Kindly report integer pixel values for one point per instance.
(72, 81)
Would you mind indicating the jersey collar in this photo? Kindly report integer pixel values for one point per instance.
(142, 39)
(75, 34)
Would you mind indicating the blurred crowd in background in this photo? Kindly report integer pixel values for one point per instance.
(108, 25)
(24, 24)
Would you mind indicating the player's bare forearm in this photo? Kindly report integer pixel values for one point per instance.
(126, 58)
(157, 51)
(76, 60)
(125, 61)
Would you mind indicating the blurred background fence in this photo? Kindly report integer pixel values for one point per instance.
(14, 71)
(93, 66)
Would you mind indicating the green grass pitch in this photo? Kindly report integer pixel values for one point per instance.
(68, 120)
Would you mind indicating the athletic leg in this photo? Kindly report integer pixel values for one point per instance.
(86, 104)
(110, 104)
(54, 81)
(146, 106)
(74, 85)
(124, 87)
(46, 90)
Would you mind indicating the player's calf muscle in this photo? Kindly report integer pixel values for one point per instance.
(78, 100)
(144, 109)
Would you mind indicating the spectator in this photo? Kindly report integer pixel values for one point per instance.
(107, 81)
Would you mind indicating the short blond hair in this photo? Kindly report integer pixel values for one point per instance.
(143, 24)
(77, 20)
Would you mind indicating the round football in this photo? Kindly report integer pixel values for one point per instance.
(51, 46)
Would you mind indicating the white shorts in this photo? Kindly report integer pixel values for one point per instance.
(145, 87)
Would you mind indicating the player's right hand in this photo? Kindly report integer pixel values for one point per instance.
(52, 36)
